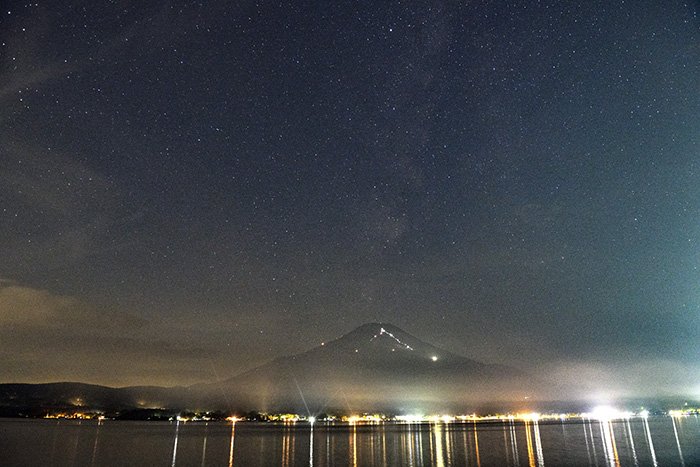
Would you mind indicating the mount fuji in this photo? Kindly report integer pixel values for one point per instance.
(376, 366)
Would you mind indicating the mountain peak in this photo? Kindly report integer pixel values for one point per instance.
(381, 338)
(376, 327)
(374, 363)
(372, 327)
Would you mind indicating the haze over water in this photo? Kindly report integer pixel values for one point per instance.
(661, 441)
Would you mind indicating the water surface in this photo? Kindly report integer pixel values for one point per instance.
(661, 441)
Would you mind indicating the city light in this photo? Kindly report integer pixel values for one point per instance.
(606, 413)
(412, 418)
(603, 413)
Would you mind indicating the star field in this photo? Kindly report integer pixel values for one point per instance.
(199, 187)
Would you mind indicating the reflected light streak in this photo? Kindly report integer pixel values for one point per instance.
(204, 444)
(384, 444)
(311, 442)
(631, 438)
(609, 446)
(614, 444)
(177, 432)
(466, 446)
(403, 448)
(476, 446)
(538, 443)
(287, 446)
(230, 449)
(514, 443)
(506, 448)
(530, 450)
(74, 450)
(292, 444)
(437, 431)
(354, 445)
(448, 445)
(328, 445)
(678, 444)
(419, 434)
(94, 447)
(585, 436)
(606, 447)
(590, 432)
(650, 442)
(410, 442)
(432, 450)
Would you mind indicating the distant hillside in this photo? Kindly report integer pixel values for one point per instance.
(74, 396)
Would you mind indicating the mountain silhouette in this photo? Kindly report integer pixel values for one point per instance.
(375, 366)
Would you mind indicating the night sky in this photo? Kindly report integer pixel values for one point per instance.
(188, 190)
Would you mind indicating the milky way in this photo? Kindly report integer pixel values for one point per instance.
(187, 190)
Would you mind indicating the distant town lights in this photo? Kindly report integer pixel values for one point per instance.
(411, 418)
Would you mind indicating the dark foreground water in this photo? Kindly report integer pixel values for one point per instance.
(661, 441)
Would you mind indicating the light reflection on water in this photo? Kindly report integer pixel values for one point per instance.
(230, 449)
(630, 442)
(94, 446)
(651, 442)
(609, 446)
(476, 445)
(204, 445)
(678, 443)
(311, 446)
(177, 433)
(514, 443)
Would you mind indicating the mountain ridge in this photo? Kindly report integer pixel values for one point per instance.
(374, 366)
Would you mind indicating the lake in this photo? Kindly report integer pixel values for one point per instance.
(662, 441)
